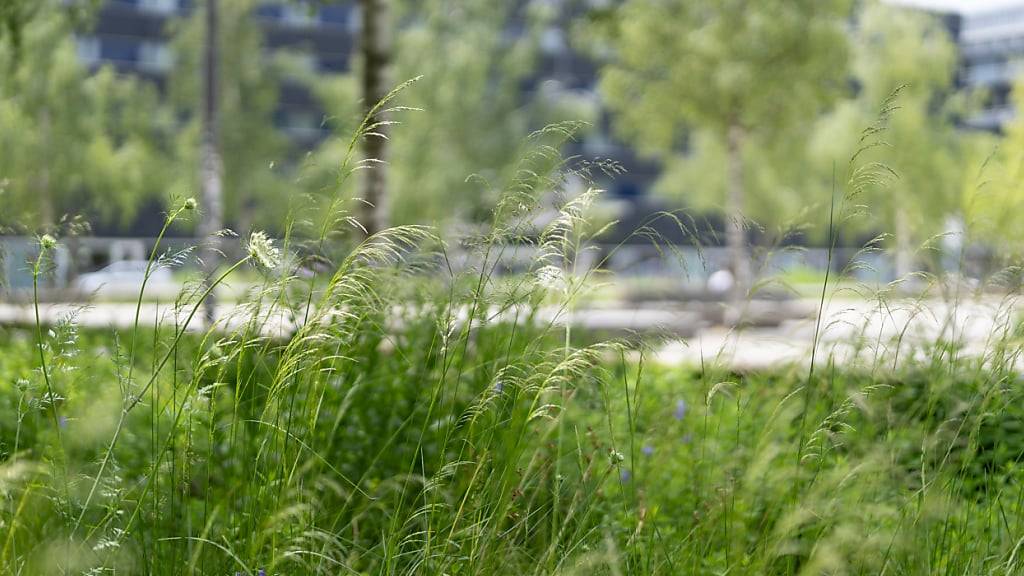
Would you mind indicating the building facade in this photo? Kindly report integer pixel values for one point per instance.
(134, 37)
(992, 58)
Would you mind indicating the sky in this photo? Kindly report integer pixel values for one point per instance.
(964, 6)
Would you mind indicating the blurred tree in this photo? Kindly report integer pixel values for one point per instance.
(211, 169)
(247, 95)
(741, 74)
(909, 51)
(15, 15)
(72, 140)
(994, 202)
(473, 116)
(375, 47)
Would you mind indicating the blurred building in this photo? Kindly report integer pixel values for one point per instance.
(992, 58)
(990, 39)
(134, 37)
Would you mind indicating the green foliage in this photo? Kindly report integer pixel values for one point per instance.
(401, 414)
(15, 16)
(993, 203)
(739, 473)
(255, 151)
(777, 176)
(349, 446)
(395, 410)
(755, 64)
(71, 139)
(682, 74)
(909, 53)
(473, 115)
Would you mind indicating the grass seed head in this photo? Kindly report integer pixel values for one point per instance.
(262, 250)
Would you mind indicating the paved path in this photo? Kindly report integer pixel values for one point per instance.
(852, 330)
(849, 329)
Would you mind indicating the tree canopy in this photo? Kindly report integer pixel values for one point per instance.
(719, 85)
(910, 55)
(472, 114)
(255, 147)
(73, 139)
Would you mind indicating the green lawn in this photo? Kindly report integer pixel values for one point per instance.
(349, 449)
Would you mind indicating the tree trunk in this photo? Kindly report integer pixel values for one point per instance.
(47, 202)
(376, 50)
(903, 260)
(736, 230)
(211, 168)
(47, 212)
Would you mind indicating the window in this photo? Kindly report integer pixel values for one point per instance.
(159, 6)
(155, 57)
(303, 61)
(297, 15)
(336, 15)
(119, 49)
(986, 72)
(333, 63)
(270, 11)
(88, 48)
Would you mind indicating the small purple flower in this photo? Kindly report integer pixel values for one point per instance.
(63, 421)
(648, 450)
(625, 475)
(499, 386)
(261, 572)
(680, 412)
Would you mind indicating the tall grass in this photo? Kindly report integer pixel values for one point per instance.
(393, 406)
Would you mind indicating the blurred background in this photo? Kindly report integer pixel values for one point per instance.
(721, 130)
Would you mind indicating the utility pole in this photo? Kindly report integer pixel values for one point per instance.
(211, 165)
(375, 45)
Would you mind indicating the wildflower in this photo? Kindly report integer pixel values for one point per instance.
(499, 386)
(47, 242)
(648, 450)
(262, 250)
(261, 572)
(625, 475)
(63, 421)
(551, 277)
(190, 204)
(680, 412)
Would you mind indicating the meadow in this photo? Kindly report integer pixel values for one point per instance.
(415, 417)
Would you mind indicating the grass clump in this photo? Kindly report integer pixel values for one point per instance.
(393, 406)
(374, 419)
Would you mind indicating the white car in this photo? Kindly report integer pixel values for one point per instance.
(125, 278)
